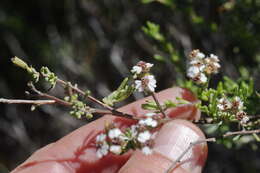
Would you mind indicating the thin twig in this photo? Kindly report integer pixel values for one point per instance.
(113, 111)
(243, 132)
(84, 94)
(61, 102)
(99, 111)
(158, 104)
(18, 101)
(174, 164)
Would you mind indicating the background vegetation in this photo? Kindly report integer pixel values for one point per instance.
(94, 43)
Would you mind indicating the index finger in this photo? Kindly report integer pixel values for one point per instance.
(76, 152)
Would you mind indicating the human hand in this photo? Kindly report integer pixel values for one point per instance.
(76, 153)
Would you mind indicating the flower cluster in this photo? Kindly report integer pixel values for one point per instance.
(79, 108)
(233, 106)
(49, 76)
(137, 136)
(201, 66)
(144, 81)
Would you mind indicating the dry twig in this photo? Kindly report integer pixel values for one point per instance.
(192, 144)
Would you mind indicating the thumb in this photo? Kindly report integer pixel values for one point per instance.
(171, 141)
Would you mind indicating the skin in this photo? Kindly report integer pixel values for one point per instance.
(75, 153)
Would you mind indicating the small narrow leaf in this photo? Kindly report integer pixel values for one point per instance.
(122, 93)
(20, 63)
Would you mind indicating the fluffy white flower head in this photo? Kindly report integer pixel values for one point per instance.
(244, 120)
(200, 55)
(212, 65)
(198, 63)
(101, 137)
(136, 69)
(223, 104)
(202, 78)
(149, 65)
(147, 83)
(116, 149)
(237, 103)
(147, 150)
(214, 57)
(144, 136)
(141, 67)
(193, 71)
(103, 150)
(148, 122)
(114, 133)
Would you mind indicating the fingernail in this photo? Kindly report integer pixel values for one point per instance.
(175, 137)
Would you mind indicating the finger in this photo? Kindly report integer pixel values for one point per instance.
(75, 151)
(172, 140)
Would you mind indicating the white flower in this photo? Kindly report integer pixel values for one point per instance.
(242, 117)
(198, 63)
(141, 67)
(150, 114)
(144, 136)
(148, 65)
(101, 137)
(237, 103)
(103, 150)
(146, 83)
(116, 149)
(200, 55)
(148, 122)
(244, 120)
(202, 78)
(147, 150)
(114, 133)
(223, 104)
(212, 65)
(193, 71)
(136, 69)
(196, 54)
(214, 57)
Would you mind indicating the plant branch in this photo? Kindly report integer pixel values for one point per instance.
(158, 104)
(243, 132)
(57, 100)
(99, 111)
(192, 144)
(112, 110)
(84, 94)
(17, 101)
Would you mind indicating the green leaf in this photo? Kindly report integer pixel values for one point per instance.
(150, 105)
(120, 94)
(211, 128)
(182, 101)
(237, 137)
(204, 96)
(256, 137)
(147, 1)
(169, 104)
(20, 63)
(153, 30)
(158, 57)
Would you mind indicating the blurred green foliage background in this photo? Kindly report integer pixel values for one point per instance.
(94, 44)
